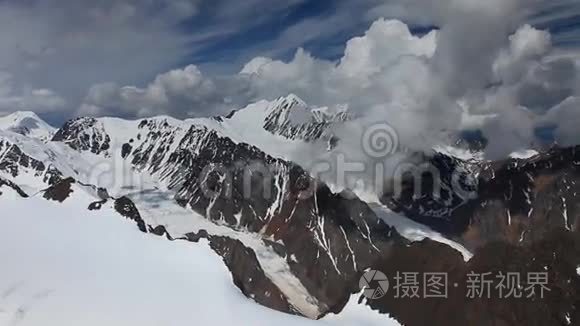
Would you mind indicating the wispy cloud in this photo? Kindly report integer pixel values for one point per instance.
(68, 46)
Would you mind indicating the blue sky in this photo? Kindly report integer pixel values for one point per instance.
(332, 23)
(270, 37)
(53, 52)
(230, 49)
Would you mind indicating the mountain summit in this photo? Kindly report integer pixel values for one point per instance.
(28, 124)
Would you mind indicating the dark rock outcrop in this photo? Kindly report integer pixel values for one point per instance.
(523, 220)
(516, 200)
(84, 134)
(127, 208)
(9, 184)
(15, 162)
(292, 119)
(59, 191)
(248, 276)
(558, 254)
(95, 206)
(523, 217)
(326, 238)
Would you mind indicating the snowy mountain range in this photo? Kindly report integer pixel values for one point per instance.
(237, 186)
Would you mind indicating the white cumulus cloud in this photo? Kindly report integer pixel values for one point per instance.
(484, 62)
(20, 98)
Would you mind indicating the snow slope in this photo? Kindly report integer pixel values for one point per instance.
(28, 124)
(524, 154)
(64, 265)
(414, 231)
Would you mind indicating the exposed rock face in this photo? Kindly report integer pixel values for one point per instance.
(524, 219)
(322, 240)
(84, 134)
(126, 150)
(59, 191)
(291, 118)
(248, 275)
(326, 239)
(447, 186)
(95, 206)
(14, 162)
(516, 200)
(535, 196)
(127, 208)
(155, 144)
(558, 253)
(9, 184)
(294, 246)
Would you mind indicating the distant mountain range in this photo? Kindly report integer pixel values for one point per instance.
(290, 242)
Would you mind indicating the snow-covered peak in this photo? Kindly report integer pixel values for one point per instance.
(299, 112)
(291, 118)
(460, 153)
(524, 154)
(289, 109)
(22, 115)
(293, 98)
(331, 114)
(27, 123)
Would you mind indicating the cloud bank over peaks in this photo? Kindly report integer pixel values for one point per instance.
(180, 92)
(22, 98)
(69, 45)
(482, 69)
